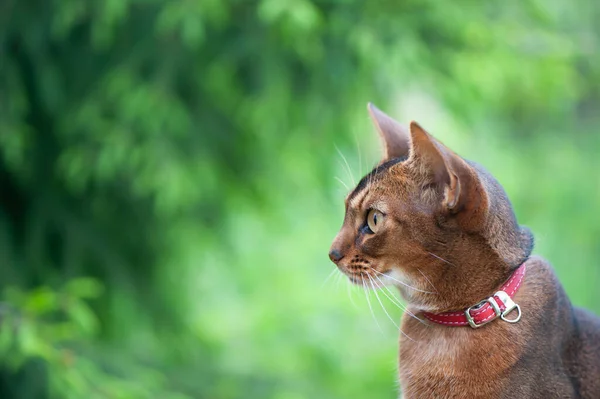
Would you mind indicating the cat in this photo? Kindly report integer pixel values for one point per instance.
(442, 230)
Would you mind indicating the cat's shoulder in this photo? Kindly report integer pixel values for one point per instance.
(540, 268)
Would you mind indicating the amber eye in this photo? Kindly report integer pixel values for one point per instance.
(374, 220)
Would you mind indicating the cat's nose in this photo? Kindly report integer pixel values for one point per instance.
(335, 255)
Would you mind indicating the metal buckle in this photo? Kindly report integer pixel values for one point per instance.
(510, 306)
(493, 304)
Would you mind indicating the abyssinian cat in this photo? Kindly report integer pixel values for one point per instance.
(485, 319)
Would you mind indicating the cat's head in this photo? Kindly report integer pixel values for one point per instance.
(438, 227)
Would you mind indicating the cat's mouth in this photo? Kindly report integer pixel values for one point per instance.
(355, 279)
(364, 279)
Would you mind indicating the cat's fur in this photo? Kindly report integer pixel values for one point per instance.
(448, 238)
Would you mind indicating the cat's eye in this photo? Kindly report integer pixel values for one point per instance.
(374, 220)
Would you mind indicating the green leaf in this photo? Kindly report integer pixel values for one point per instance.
(84, 287)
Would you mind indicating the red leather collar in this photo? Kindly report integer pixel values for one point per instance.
(498, 305)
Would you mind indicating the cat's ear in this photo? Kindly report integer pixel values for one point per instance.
(395, 136)
(439, 166)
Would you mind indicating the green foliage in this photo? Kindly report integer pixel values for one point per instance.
(168, 179)
(56, 327)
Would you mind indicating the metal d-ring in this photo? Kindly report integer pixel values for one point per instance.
(509, 306)
(507, 311)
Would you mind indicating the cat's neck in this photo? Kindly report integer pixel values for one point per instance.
(472, 266)
(467, 272)
(501, 231)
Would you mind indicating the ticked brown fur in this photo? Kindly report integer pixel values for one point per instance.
(447, 237)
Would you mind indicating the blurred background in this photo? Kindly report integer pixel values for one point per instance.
(172, 174)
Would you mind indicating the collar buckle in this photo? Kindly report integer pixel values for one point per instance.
(497, 312)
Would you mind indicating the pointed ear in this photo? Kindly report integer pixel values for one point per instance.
(439, 166)
(395, 137)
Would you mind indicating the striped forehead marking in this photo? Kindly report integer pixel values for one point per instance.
(357, 195)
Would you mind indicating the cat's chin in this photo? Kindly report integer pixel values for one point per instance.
(358, 280)
(392, 278)
(396, 278)
(365, 281)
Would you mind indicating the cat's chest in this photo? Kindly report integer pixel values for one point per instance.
(430, 358)
(448, 364)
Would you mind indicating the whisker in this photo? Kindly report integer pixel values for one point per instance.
(387, 314)
(369, 303)
(388, 293)
(347, 166)
(328, 277)
(343, 184)
(403, 283)
(396, 301)
(349, 292)
(359, 154)
(440, 258)
(406, 335)
(338, 279)
(370, 180)
(429, 281)
(381, 303)
(342, 279)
